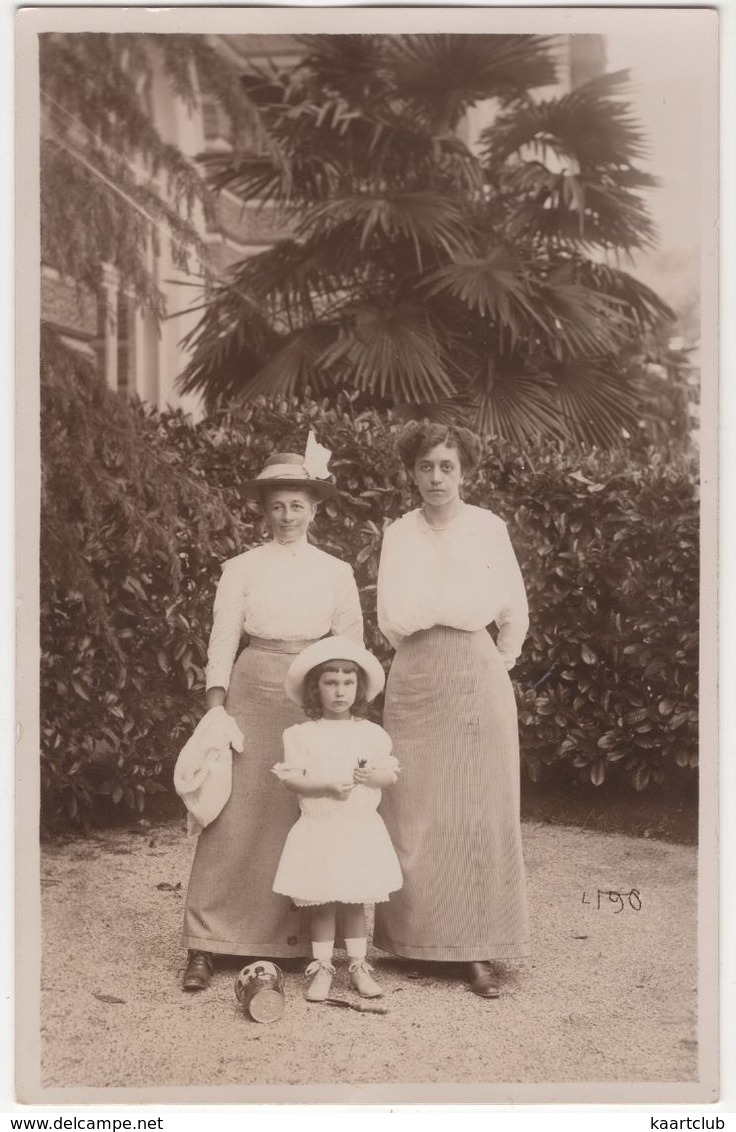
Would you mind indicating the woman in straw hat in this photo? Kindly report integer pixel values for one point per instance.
(448, 571)
(284, 595)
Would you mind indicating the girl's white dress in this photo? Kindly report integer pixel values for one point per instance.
(339, 849)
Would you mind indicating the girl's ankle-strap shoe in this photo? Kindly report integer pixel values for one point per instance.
(319, 988)
(362, 980)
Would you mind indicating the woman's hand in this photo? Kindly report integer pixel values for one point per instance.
(374, 776)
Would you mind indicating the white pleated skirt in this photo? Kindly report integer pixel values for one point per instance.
(453, 817)
(349, 860)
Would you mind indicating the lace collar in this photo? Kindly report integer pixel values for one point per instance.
(289, 549)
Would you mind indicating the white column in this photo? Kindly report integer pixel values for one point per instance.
(110, 285)
(145, 343)
(182, 126)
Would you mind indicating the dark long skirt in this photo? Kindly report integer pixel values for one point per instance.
(230, 906)
(453, 816)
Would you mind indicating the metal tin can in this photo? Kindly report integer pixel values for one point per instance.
(259, 988)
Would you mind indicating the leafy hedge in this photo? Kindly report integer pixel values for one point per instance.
(130, 543)
(607, 682)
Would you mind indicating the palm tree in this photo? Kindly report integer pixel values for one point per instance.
(425, 275)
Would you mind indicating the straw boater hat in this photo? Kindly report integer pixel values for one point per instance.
(333, 648)
(289, 469)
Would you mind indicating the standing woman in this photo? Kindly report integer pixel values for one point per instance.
(284, 595)
(447, 571)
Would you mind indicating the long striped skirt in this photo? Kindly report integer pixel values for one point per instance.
(453, 816)
(231, 908)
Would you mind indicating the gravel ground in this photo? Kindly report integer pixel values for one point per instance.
(606, 996)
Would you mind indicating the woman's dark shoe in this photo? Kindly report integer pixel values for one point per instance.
(482, 980)
(199, 971)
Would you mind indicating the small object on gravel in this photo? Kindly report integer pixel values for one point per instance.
(108, 997)
(260, 989)
(367, 1007)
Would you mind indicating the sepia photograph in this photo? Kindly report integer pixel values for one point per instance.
(367, 555)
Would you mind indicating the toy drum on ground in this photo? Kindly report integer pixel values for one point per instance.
(259, 988)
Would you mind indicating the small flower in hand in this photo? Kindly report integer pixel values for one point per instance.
(376, 776)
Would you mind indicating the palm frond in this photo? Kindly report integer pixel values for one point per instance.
(591, 123)
(567, 168)
(289, 280)
(320, 141)
(594, 400)
(511, 399)
(596, 219)
(496, 285)
(425, 220)
(579, 321)
(443, 74)
(393, 352)
(643, 306)
(348, 65)
(230, 344)
(295, 367)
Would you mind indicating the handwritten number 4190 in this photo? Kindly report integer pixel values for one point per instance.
(620, 899)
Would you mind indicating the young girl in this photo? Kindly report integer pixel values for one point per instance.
(339, 854)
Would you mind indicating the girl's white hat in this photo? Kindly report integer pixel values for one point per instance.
(333, 648)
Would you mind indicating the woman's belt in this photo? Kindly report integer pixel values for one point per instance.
(268, 644)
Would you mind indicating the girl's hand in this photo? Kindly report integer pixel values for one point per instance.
(339, 790)
(374, 776)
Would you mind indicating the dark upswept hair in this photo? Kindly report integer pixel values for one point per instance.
(419, 437)
(312, 702)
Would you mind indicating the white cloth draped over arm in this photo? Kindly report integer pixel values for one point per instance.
(203, 771)
(227, 626)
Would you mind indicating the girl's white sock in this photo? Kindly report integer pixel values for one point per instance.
(356, 948)
(323, 950)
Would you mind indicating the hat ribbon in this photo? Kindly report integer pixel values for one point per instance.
(316, 459)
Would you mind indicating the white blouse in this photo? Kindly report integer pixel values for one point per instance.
(464, 576)
(286, 592)
(330, 749)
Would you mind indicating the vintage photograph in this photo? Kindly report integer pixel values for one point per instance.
(368, 637)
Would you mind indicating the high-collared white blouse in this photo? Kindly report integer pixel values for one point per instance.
(464, 576)
(287, 592)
